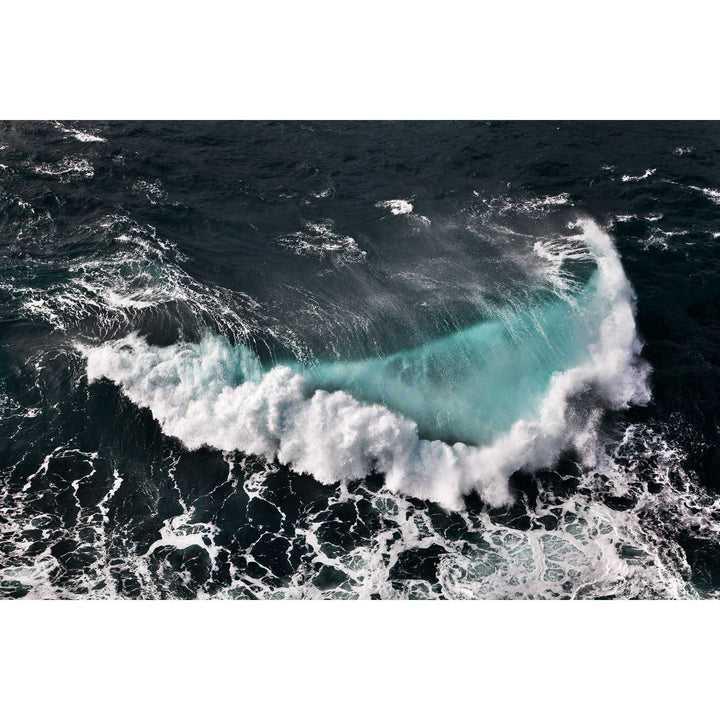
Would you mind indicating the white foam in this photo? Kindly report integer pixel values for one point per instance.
(152, 190)
(656, 239)
(714, 195)
(133, 271)
(711, 193)
(531, 206)
(67, 166)
(321, 240)
(396, 207)
(556, 252)
(561, 199)
(79, 135)
(581, 557)
(633, 178)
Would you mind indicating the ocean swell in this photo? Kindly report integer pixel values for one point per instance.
(344, 421)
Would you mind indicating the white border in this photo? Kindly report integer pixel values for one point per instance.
(386, 59)
(177, 659)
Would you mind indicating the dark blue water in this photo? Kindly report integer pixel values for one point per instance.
(312, 359)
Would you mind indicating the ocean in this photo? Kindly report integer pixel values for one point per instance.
(359, 360)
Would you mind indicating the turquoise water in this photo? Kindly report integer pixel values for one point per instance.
(472, 385)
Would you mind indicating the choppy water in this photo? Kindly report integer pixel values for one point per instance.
(373, 360)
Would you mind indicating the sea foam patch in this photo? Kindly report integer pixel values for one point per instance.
(396, 207)
(79, 135)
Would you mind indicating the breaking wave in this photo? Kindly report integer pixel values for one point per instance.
(456, 415)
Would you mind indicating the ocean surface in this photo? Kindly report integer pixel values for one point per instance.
(359, 359)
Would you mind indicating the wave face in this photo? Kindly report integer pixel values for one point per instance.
(456, 415)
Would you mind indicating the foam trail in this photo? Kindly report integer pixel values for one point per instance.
(212, 393)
